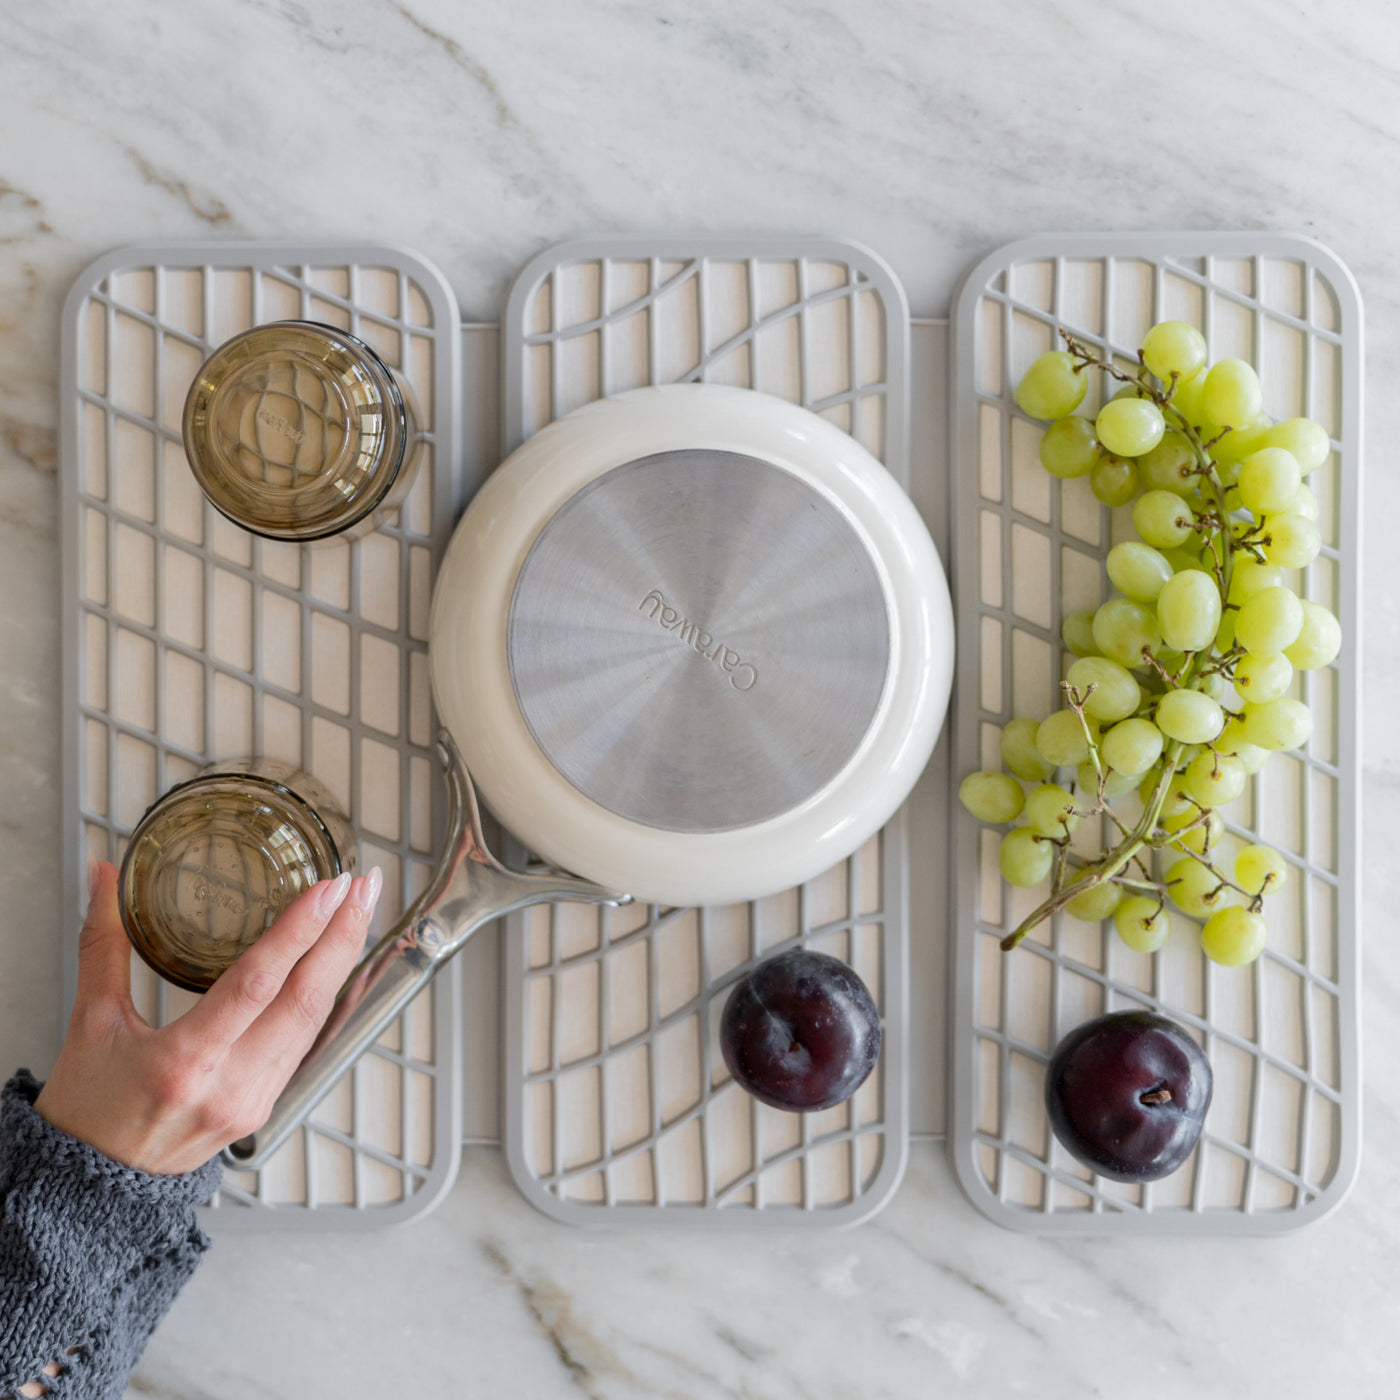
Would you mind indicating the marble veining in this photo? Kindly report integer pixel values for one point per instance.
(478, 135)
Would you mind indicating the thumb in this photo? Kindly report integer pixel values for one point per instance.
(104, 953)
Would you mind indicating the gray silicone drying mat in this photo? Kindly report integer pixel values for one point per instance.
(187, 640)
(1281, 1141)
(617, 1105)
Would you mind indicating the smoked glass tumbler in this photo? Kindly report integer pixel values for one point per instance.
(216, 859)
(299, 431)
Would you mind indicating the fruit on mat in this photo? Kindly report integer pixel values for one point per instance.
(1096, 903)
(1052, 387)
(1069, 447)
(1233, 936)
(800, 1032)
(1183, 683)
(1130, 427)
(992, 797)
(1051, 811)
(1127, 1095)
(1142, 923)
(1025, 857)
(1260, 868)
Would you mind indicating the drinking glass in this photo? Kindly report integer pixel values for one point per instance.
(299, 431)
(215, 860)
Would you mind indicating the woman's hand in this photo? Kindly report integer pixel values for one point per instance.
(166, 1100)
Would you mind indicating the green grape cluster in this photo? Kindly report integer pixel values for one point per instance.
(1181, 684)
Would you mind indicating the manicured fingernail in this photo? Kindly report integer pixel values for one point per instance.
(94, 876)
(333, 895)
(367, 893)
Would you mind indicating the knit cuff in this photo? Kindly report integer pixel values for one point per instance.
(92, 1252)
(100, 1190)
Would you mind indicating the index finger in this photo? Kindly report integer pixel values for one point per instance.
(250, 985)
(104, 951)
(280, 1038)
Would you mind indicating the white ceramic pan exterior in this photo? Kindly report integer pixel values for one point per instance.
(477, 700)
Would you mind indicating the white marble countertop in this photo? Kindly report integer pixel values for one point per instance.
(478, 135)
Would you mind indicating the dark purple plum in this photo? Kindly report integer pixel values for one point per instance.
(1127, 1095)
(800, 1032)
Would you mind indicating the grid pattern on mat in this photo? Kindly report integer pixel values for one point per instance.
(618, 1107)
(188, 640)
(1280, 1143)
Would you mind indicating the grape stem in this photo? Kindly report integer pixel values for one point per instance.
(1196, 667)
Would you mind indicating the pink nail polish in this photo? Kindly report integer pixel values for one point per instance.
(333, 895)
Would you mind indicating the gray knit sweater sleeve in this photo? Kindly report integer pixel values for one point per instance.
(92, 1253)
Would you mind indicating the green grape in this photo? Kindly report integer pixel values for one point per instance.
(1190, 401)
(1232, 394)
(1263, 677)
(1181, 559)
(1215, 779)
(1269, 621)
(1129, 391)
(1306, 440)
(1251, 755)
(1130, 426)
(1114, 480)
(1069, 447)
(1234, 936)
(1291, 541)
(1189, 716)
(992, 797)
(1163, 519)
(1170, 466)
(1025, 857)
(1061, 739)
(1132, 746)
(1138, 570)
(1269, 480)
(1249, 577)
(1260, 870)
(1318, 641)
(1188, 610)
(1115, 784)
(1278, 724)
(1096, 903)
(1304, 504)
(1225, 633)
(1232, 741)
(1142, 923)
(1051, 811)
(1123, 630)
(1176, 806)
(1218, 688)
(1173, 348)
(1231, 737)
(1234, 447)
(1195, 889)
(1077, 633)
(1202, 834)
(1019, 753)
(1051, 387)
(1116, 693)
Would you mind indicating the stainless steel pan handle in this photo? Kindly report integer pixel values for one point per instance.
(469, 888)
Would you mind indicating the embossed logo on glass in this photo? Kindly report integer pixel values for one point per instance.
(743, 675)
